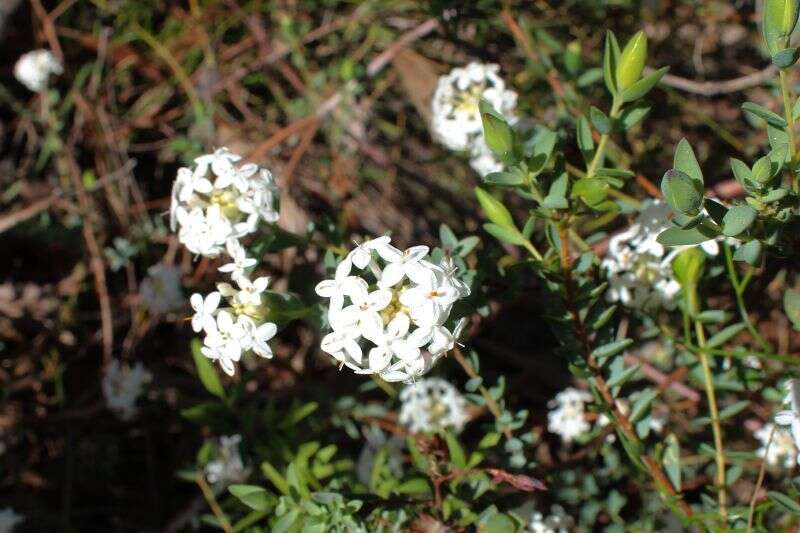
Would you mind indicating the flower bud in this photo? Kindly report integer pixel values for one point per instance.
(631, 61)
(780, 19)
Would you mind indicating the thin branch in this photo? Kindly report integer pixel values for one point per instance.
(713, 88)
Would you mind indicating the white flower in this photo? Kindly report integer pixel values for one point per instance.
(556, 522)
(639, 268)
(239, 260)
(567, 414)
(399, 263)
(397, 305)
(237, 328)
(482, 159)
(782, 450)
(33, 69)
(204, 310)
(122, 385)
(791, 417)
(456, 118)
(432, 404)
(161, 289)
(219, 201)
(227, 467)
(9, 520)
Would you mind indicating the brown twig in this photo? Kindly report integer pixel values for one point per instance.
(208, 494)
(377, 64)
(48, 28)
(713, 88)
(9, 220)
(490, 403)
(623, 421)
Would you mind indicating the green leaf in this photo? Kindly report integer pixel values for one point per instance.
(762, 170)
(256, 498)
(277, 479)
(287, 521)
(686, 162)
(603, 318)
(457, 456)
(610, 61)
(681, 192)
(643, 86)
(672, 461)
(415, 485)
(733, 410)
(633, 114)
(715, 210)
(494, 209)
(623, 377)
(686, 237)
(631, 61)
(511, 236)
(764, 114)
(779, 17)
(206, 371)
(724, 335)
(785, 58)
(791, 305)
(738, 219)
(741, 171)
(612, 348)
(505, 179)
(585, 140)
(688, 266)
(590, 190)
(599, 120)
(784, 501)
(749, 252)
(496, 131)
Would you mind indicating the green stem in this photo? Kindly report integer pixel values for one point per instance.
(789, 116)
(712, 403)
(600, 153)
(211, 499)
(738, 290)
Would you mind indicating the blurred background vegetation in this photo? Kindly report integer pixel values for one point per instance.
(333, 97)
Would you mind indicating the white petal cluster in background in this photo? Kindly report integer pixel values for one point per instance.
(558, 521)
(33, 69)
(227, 466)
(388, 317)
(456, 118)
(432, 404)
(781, 452)
(220, 200)
(161, 289)
(791, 416)
(9, 520)
(122, 385)
(639, 268)
(240, 326)
(567, 415)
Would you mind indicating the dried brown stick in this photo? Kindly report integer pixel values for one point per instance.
(713, 88)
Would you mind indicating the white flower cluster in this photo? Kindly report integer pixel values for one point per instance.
(781, 452)
(398, 309)
(456, 119)
(227, 467)
(161, 289)
(558, 521)
(242, 326)
(122, 385)
(9, 520)
(639, 268)
(791, 416)
(567, 415)
(33, 69)
(432, 404)
(220, 201)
